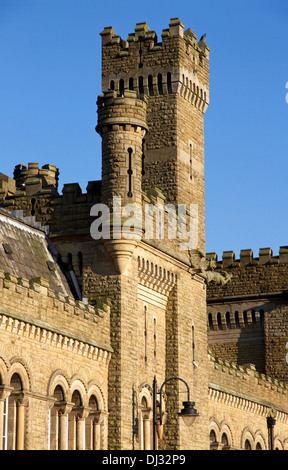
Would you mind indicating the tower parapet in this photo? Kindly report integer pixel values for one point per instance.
(181, 61)
(33, 179)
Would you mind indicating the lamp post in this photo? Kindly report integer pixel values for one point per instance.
(271, 421)
(188, 412)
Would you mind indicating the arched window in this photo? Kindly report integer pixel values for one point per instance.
(224, 441)
(245, 318)
(141, 86)
(58, 422)
(237, 322)
(93, 426)
(131, 84)
(247, 445)
(213, 440)
(145, 424)
(219, 321)
(15, 415)
(121, 87)
(76, 424)
(112, 85)
(228, 321)
(210, 322)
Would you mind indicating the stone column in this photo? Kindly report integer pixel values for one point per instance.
(21, 403)
(4, 393)
(64, 410)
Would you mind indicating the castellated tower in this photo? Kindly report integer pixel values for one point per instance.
(122, 126)
(174, 75)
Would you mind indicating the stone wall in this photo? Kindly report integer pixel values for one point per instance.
(48, 339)
(255, 302)
(240, 400)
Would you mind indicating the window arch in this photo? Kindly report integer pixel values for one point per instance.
(219, 321)
(247, 445)
(121, 87)
(145, 421)
(76, 423)
(58, 421)
(16, 413)
(210, 322)
(141, 86)
(93, 426)
(213, 439)
(224, 441)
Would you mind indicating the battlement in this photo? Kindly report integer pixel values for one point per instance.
(126, 110)
(248, 370)
(146, 39)
(179, 64)
(247, 258)
(229, 375)
(34, 292)
(34, 178)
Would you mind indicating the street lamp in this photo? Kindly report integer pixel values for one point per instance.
(271, 421)
(188, 412)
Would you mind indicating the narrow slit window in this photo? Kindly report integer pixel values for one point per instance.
(160, 85)
(150, 85)
(121, 87)
(191, 162)
(169, 83)
(141, 86)
(131, 84)
(145, 333)
(155, 336)
(140, 52)
(130, 172)
(33, 202)
(193, 344)
(143, 158)
(112, 86)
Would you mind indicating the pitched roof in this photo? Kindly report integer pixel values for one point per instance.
(26, 252)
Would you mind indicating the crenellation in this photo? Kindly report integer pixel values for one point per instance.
(247, 257)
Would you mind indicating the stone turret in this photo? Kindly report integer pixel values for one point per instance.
(33, 179)
(122, 126)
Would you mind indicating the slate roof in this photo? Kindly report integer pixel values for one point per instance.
(26, 252)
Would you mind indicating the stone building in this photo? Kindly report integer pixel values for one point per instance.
(102, 308)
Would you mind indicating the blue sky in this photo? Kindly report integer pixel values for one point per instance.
(50, 57)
